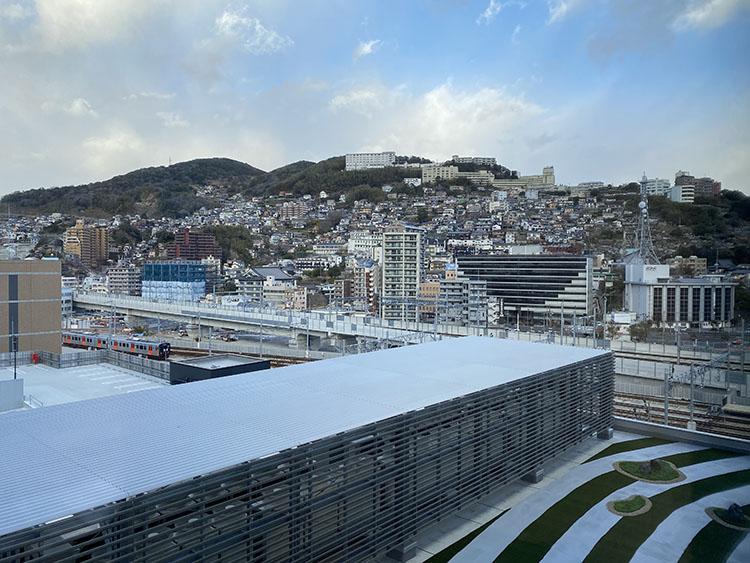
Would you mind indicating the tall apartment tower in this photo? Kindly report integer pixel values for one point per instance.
(30, 297)
(193, 246)
(403, 267)
(90, 244)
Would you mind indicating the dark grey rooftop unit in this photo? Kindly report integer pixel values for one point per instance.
(337, 460)
(211, 367)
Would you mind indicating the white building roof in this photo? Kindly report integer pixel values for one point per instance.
(61, 459)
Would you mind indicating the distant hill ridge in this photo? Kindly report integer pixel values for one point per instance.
(169, 191)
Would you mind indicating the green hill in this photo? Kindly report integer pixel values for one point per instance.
(161, 191)
(329, 175)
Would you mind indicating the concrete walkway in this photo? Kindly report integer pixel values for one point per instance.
(496, 538)
(675, 533)
(582, 536)
(741, 554)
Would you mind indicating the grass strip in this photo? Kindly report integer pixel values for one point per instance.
(628, 446)
(713, 543)
(538, 537)
(447, 554)
(624, 538)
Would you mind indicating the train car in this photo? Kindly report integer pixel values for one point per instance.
(149, 349)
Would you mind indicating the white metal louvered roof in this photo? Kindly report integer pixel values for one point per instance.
(62, 459)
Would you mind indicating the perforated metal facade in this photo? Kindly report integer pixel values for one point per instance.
(351, 495)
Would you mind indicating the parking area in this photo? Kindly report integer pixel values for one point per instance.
(50, 386)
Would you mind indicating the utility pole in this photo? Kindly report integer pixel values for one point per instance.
(562, 321)
(666, 397)
(14, 346)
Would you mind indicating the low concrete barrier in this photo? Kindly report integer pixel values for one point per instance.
(681, 435)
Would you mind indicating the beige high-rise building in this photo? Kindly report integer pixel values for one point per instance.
(90, 244)
(30, 292)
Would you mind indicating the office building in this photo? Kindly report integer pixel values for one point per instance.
(697, 302)
(340, 460)
(534, 287)
(193, 246)
(125, 280)
(403, 266)
(365, 160)
(180, 280)
(89, 243)
(31, 306)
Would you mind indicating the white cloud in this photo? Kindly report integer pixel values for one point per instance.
(366, 48)
(64, 24)
(149, 96)
(559, 9)
(436, 123)
(362, 101)
(709, 14)
(250, 33)
(15, 12)
(171, 119)
(79, 107)
(514, 38)
(120, 149)
(492, 10)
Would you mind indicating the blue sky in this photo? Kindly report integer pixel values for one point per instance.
(601, 89)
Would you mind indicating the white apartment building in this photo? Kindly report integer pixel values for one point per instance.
(432, 172)
(365, 160)
(364, 243)
(125, 280)
(403, 256)
(656, 186)
(478, 160)
(682, 194)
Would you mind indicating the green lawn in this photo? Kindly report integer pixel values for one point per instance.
(664, 473)
(535, 541)
(713, 543)
(621, 542)
(628, 446)
(448, 553)
(626, 506)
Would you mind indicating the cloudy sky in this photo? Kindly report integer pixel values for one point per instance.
(601, 89)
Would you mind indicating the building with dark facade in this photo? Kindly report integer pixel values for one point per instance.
(703, 187)
(302, 463)
(193, 246)
(534, 286)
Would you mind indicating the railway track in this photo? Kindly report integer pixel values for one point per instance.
(708, 418)
(735, 363)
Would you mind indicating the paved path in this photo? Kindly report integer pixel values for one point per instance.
(741, 554)
(581, 537)
(487, 545)
(674, 534)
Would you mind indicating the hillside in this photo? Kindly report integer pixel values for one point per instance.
(264, 182)
(329, 175)
(161, 191)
